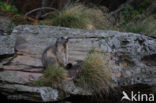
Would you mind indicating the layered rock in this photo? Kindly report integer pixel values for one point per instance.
(133, 60)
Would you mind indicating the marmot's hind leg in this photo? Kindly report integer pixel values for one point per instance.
(51, 62)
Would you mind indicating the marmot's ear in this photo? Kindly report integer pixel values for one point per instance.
(62, 37)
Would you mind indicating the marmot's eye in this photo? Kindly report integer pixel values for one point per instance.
(62, 37)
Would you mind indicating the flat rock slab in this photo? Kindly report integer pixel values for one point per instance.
(37, 38)
(23, 68)
(37, 94)
(18, 77)
(27, 60)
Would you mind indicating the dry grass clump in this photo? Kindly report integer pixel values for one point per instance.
(95, 74)
(52, 75)
(146, 26)
(80, 16)
(74, 16)
(100, 19)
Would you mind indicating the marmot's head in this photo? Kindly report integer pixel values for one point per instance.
(62, 40)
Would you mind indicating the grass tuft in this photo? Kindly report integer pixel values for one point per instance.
(146, 26)
(52, 75)
(82, 17)
(75, 16)
(95, 74)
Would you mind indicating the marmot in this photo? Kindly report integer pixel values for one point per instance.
(57, 54)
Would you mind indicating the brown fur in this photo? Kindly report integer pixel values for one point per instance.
(56, 55)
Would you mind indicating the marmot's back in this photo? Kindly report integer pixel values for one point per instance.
(49, 58)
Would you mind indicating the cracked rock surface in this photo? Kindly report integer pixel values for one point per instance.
(133, 59)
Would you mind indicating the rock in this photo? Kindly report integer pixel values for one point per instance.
(18, 77)
(5, 22)
(133, 59)
(69, 87)
(7, 44)
(27, 60)
(44, 94)
(7, 48)
(22, 68)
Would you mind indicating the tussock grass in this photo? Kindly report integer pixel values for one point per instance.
(52, 75)
(82, 17)
(101, 19)
(146, 26)
(95, 74)
(74, 16)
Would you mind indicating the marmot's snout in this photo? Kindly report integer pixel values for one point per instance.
(67, 40)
